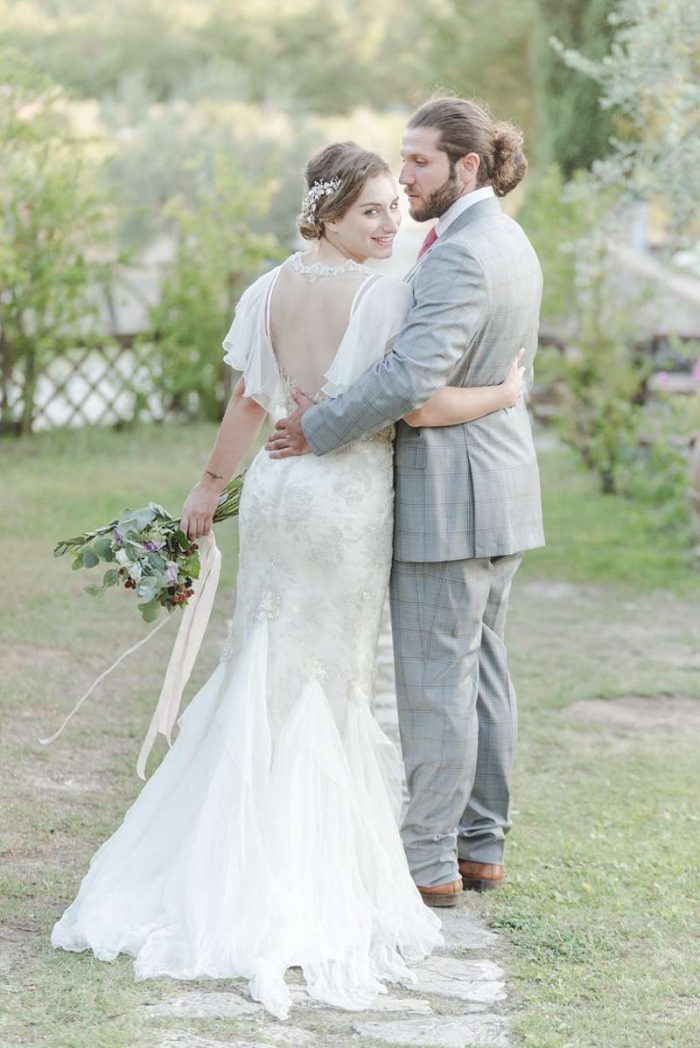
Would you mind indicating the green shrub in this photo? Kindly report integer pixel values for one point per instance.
(216, 255)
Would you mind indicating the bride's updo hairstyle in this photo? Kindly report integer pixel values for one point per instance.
(466, 126)
(335, 177)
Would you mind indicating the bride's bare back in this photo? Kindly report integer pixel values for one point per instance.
(309, 312)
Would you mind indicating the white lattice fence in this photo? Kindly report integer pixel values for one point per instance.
(99, 385)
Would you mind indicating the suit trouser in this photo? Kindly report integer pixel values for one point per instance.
(457, 710)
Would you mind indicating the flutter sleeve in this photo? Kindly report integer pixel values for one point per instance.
(377, 318)
(247, 345)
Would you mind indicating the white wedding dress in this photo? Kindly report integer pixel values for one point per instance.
(267, 838)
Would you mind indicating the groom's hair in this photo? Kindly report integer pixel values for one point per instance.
(346, 164)
(466, 126)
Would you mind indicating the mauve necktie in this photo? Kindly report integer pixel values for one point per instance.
(428, 242)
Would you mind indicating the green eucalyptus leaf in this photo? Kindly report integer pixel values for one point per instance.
(110, 577)
(94, 590)
(159, 511)
(147, 588)
(102, 546)
(138, 519)
(89, 558)
(150, 610)
(78, 562)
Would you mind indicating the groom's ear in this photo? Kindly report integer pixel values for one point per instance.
(468, 170)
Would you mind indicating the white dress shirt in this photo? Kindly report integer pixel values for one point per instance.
(461, 204)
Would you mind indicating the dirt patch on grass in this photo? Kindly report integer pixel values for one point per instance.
(633, 714)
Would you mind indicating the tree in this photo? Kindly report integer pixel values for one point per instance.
(650, 77)
(576, 129)
(52, 226)
(216, 255)
(597, 373)
(292, 54)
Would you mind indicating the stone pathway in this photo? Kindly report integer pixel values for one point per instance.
(458, 1001)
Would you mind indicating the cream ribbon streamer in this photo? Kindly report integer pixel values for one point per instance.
(188, 641)
(186, 648)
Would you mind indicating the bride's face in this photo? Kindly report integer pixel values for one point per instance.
(368, 227)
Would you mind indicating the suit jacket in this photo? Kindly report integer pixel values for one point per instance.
(470, 490)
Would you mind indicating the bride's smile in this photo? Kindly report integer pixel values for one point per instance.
(368, 228)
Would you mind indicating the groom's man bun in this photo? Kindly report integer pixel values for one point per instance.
(346, 164)
(466, 126)
(509, 160)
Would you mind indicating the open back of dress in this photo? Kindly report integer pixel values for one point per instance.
(310, 308)
(313, 327)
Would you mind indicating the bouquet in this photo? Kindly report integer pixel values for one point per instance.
(147, 552)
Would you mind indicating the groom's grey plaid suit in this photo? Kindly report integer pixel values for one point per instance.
(467, 506)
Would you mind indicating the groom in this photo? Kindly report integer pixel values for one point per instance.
(467, 496)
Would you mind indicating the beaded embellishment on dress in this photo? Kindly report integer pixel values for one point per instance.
(318, 269)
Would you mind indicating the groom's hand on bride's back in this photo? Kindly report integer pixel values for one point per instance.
(288, 439)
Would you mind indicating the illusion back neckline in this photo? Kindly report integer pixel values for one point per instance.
(319, 270)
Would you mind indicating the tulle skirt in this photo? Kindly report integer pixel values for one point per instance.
(249, 852)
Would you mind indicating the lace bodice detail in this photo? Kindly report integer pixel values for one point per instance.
(318, 270)
(315, 328)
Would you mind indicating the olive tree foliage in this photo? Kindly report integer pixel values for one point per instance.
(651, 78)
(173, 150)
(53, 237)
(302, 55)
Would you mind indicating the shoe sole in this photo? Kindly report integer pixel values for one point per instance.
(439, 901)
(473, 884)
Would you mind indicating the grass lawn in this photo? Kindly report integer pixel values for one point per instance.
(596, 918)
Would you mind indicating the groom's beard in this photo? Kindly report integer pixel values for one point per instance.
(439, 200)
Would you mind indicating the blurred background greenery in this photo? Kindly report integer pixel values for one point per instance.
(151, 167)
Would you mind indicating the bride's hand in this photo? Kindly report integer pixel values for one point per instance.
(514, 381)
(198, 510)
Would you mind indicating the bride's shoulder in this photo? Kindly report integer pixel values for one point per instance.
(266, 278)
(386, 290)
(255, 294)
(386, 280)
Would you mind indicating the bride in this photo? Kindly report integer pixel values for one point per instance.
(268, 838)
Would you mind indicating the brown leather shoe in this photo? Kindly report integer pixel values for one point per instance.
(480, 876)
(441, 894)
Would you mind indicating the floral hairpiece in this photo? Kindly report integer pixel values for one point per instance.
(315, 193)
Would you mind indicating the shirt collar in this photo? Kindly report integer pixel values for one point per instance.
(460, 205)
